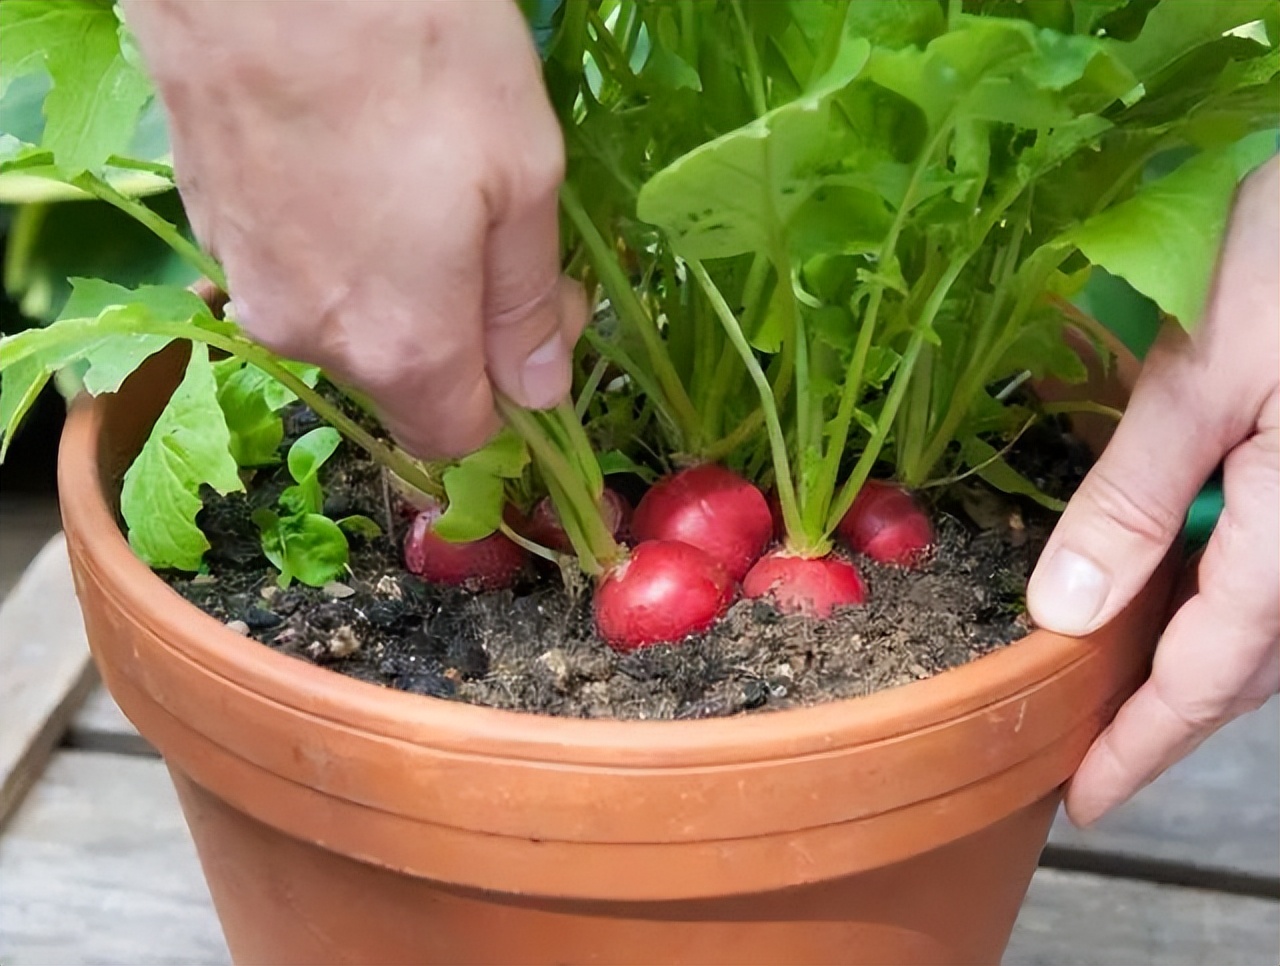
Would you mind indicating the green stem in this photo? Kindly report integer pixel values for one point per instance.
(594, 543)
(754, 75)
(590, 387)
(727, 367)
(1030, 280)
(777, 441)
(852, 390)
(204, 263)
(901, 380)
(743, 432)
(674, 399)
(584, 456)
(914, 428)
(537, 549)
(830, 44)
(136, 164)
(393, 458)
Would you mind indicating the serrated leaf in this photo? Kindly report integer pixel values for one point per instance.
(92, 108)
(188, 448)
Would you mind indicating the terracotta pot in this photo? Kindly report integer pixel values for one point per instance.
(339, 822)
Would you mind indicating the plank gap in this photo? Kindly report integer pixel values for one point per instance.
(1141, 868)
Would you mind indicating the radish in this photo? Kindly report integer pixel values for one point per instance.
(888, 525)
(711, 508)
(663, 592)
(490, 563)
(815, 586)
(543, 525)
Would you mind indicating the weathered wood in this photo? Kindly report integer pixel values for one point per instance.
(1218, 810)
(45, 670)
(26, 524)
(1076, 919)
(100, 725)
(97, 867)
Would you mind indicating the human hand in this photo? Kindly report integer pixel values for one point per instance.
(1199, 398)
(379, 180)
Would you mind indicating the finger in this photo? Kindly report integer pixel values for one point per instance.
(1132, 505)
(528, 339)
(1219, 656)
(420, 351)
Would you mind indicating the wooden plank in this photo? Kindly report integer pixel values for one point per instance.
(97, 867)
(27, 521)
(1077, 919)
(1218, 810)
(45, 670)
(100, 725)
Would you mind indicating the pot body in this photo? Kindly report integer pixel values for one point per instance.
(338, 822)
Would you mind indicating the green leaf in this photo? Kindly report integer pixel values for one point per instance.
(311, 451)
(1174, 28)
(615, 462)
(1165, 239)
(739, 192)
(981, 457)
(306, 546)
(359, 525)
(476, 500)
(251, 400)
(92, 109)
(20, 386)
(256, 429)
(476, 489)
(306, 456)
(188, 448)
(505, 455)
(117, 355)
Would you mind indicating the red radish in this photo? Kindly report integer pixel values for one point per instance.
(544, 527)
(662, 593)
(888, 525)
(711, 508)
(805, 585)
(491, 563)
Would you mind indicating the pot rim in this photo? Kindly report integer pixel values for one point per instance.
(490, 732)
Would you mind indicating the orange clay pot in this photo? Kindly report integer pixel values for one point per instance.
(339, 822)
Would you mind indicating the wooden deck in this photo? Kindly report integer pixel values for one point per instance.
(96, 866)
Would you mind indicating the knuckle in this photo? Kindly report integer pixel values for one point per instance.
(529, 311)
(1135, 512)
(1197, 715)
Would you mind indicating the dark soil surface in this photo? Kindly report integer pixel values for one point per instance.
(533, 648)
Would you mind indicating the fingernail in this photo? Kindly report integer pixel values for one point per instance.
(545, 376)
(1067, 592)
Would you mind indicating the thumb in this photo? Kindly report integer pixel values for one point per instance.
(532, 314)
(1133, 503)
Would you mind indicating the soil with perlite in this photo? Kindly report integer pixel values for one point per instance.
(533, 648)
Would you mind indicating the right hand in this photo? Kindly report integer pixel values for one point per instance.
(379, 180)
(1200, 398)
